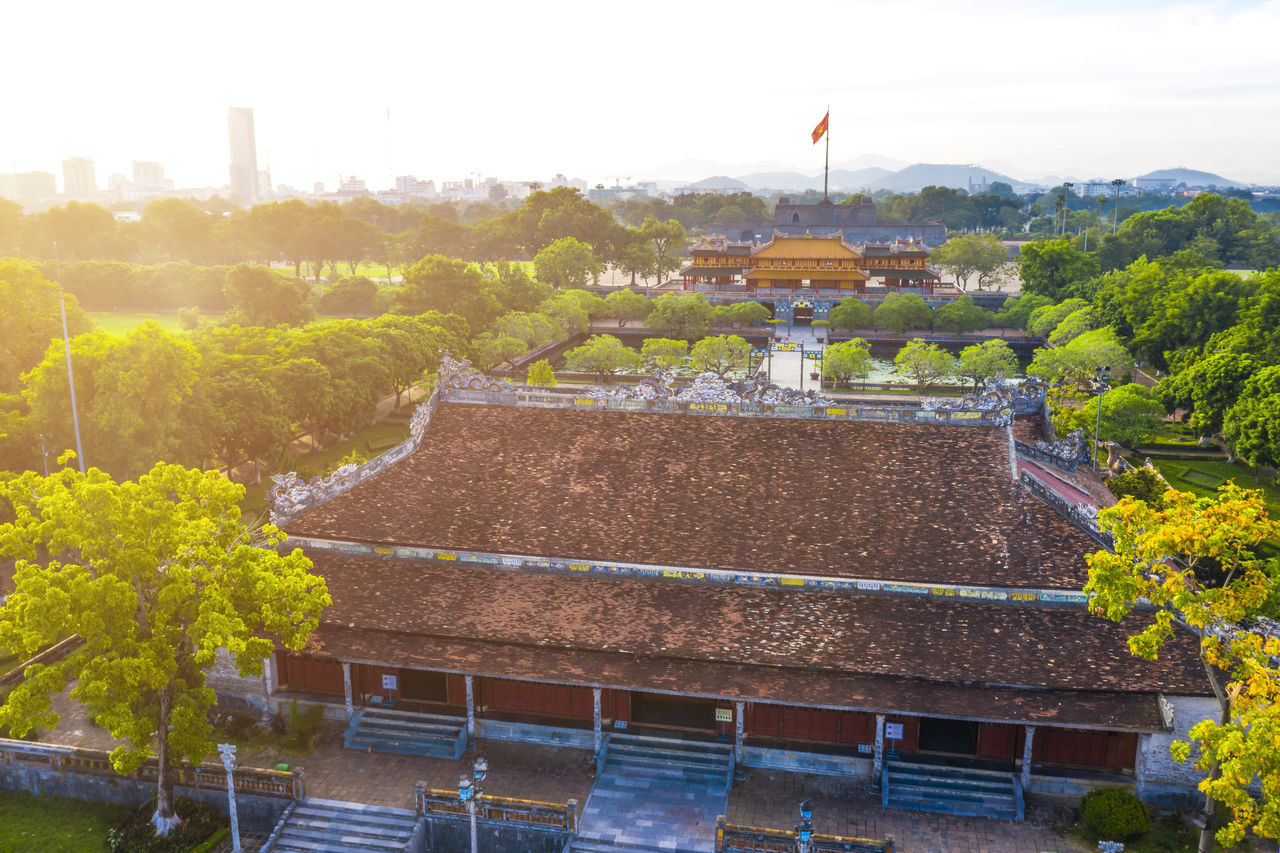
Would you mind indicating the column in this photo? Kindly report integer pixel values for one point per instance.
(1140, 765)
(877, 763)
(596, 723)
(346, 689)
(1026, 757)
(471, 707)
(739, 729)
(270, 676)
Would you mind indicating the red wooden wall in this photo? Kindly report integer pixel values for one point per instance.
(788, 722)
(531, 697)
(1117, 750)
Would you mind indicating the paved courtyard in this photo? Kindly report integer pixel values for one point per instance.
(556, 774)
(770, 798)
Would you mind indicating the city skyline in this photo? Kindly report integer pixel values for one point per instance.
(516, 94)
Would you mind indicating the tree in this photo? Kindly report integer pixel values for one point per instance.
(567, 311)
(1130, 413)
(130, 392)
(541, 375)
(847, 361)
(850, 314)
(1073, 326)
(31, 319)
(534, 329)
(1215, 584)
(1252, 425)
(437, 283)
(1016, 310)
(960, 317)
(664, 353)
(1208, 388)
(902, 311)
(491, 351)
(1045, 319)
(680, 315)
(409, 346)
(1055, 269)
(352, 295)
(923, 363)
(261, 297)
(1141, 484)
(155, 576)
(627, 305)
(1079, 360)
(603, 355)
(746, 314)
(567, 263)
(993, 358)
(969, 254)
(668, 240)
(721, 355)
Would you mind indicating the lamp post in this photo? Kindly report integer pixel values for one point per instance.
(1115, 214)
(227, 751)
(469, 792)
(1066, 204)
(1102, 384)
(804, 829)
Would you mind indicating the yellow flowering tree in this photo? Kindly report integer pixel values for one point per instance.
(1196, 559)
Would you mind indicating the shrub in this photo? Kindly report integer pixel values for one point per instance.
(135, 834)
(1114, 813)
(1141, 484)
(302, 726)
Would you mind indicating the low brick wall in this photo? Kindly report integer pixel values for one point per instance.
(256, 812)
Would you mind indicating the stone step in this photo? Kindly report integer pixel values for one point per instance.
(993, 800)
(665, 768)
(394, 726)
(710, 759)
(621, 738)
(945, 770)
(383, 730)
(963, 809)
(601, 845)
(982, 784)
(330, 826)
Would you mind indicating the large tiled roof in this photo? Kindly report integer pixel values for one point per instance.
(851, 650)
(924, 503)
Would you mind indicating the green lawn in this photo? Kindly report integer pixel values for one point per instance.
(370, 441)
(120, 322)
(1202, 477)
(30, 824)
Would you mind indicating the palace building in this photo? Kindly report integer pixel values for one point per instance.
(828, 588)
(807, 265)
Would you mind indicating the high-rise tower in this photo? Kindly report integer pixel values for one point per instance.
(244, 154)
(78, 180)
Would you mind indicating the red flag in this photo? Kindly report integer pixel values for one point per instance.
(821, 129)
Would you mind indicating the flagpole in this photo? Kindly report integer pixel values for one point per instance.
(826, 163)
(66, 344)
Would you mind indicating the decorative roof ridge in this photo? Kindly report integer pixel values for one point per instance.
(765, 581)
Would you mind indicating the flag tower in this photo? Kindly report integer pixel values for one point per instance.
(818, 132)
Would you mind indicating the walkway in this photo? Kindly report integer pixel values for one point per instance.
(789, 369)
(653, 813)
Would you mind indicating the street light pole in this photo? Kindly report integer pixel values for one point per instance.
(1102, 381)
(804, 829)
(227, 751)
(1115, 214)
(469, 792)
(1066, 205)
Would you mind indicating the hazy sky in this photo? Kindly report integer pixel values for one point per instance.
(522, 90)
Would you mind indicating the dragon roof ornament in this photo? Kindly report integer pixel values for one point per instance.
(457, 373)
(709, 388)
(291, 495)
(1069, 449)
(995, 396)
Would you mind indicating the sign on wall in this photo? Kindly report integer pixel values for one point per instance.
(389, 683)
(893, 731)
(724, 715)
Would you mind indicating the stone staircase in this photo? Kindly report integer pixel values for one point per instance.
(332, 826)
(641, 756)
(951, 790)
(407, 733)
(655, 794)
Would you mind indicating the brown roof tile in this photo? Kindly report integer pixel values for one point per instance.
(826, 634)
(932, 504)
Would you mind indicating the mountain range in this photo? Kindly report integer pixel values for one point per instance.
(914, 177)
